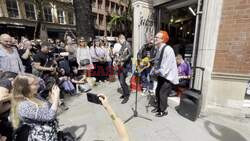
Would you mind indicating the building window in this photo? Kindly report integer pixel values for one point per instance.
(48, 14)
(95, 19)
(122, 8)
(101, 20)
(113, 6)
(118, 9)
(100, 4)
(12, 8)
(71, 17)
(30, 10)
(107, 5)
(93, 3)
(60, 16)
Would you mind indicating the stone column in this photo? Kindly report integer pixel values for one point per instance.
(143, 24)
(211, 16)
(4, 8)
(1, 8)
(104, 17)
(54, 13)
(21, 7)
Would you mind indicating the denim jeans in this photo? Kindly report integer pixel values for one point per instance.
(146, 80)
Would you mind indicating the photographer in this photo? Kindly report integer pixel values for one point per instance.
(42, 65)
(70, 47)
(25, 53)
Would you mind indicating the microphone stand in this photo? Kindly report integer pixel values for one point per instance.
(135, 112)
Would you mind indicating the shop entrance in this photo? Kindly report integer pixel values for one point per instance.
(180, 18)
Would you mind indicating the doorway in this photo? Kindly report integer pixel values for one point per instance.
(181, 20)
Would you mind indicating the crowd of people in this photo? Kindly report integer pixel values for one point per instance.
(36, 75)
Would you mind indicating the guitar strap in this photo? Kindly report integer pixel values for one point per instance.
(161, 56)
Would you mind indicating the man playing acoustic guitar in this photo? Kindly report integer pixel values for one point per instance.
(145, 57)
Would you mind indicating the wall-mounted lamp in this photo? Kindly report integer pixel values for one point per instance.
(172, 19)
(192, 11)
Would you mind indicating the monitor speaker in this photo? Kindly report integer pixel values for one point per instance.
(190, 104)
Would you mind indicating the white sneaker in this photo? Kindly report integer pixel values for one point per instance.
(151, 92)
(143, 94)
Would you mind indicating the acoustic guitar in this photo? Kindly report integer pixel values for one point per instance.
(143, 64)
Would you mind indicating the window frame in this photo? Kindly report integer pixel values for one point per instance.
(73, 17)
(11, 8)
(44, 13)
(34, 10)
(59, 16)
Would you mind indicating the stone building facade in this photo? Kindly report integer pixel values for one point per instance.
(19, 17)
(231, 65)
(102, 10)
(222, 49)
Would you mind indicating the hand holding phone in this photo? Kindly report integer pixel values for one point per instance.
(94, 98)
(104, 100)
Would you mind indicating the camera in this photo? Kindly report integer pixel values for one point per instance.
(55, 55)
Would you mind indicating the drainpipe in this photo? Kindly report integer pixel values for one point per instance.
(197, 36)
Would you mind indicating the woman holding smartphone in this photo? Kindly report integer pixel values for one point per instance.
(37, 113)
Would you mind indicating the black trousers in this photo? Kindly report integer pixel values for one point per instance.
(122, 75)
(163, 90)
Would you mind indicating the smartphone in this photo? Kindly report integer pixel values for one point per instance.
(93, 98)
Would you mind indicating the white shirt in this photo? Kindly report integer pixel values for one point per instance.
(81, 54)
(117, 47)
(168, 68)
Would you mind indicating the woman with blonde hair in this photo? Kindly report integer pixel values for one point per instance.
(37, 113)
(83, 57)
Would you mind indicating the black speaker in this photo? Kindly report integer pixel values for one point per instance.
(191, 99)
(190, 104)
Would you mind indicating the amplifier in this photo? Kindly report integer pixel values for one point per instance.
(191, 99)
(190, 104)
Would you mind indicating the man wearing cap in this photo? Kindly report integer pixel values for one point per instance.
(165, 70)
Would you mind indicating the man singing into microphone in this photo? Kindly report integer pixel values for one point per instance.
(165, 71)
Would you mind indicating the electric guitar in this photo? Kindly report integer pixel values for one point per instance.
(118, 59)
